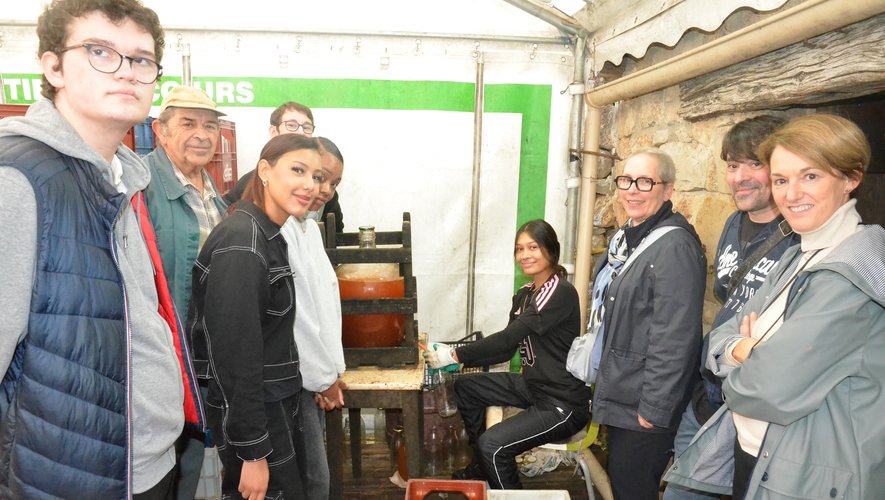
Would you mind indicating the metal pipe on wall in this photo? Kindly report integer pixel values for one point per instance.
(806, 20)
(478, 95)
(574, 160)
(584, 251)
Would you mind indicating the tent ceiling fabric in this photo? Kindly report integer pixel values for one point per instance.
(631, 30)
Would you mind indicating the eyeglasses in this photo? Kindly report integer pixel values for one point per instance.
(107, 60)
(644, 184)
(293, 126)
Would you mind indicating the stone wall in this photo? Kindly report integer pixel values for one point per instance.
(701, 193)
(658, 119)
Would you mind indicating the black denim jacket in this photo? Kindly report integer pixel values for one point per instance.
(240, 322)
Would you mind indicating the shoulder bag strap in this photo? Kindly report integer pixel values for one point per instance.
(774, 238)
(646, 242)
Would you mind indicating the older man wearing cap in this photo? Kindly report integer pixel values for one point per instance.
(184, 206)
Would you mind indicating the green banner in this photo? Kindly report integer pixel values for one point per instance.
(532, 102)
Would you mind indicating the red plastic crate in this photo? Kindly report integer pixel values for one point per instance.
(7, 110)
(223, 166)
(418, 489)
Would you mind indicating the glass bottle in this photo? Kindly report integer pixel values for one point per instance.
(433, 449)
(380, 429)
(346, 431)
(444, 393)
(363, 437)
(464, 452)
(399, 440)
(367, 237)
(450, 447)
(393, 419)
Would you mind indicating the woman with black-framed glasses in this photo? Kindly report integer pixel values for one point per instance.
(648, 297)
(643, 184)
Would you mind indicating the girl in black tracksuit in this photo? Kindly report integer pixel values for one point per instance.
(544, 320)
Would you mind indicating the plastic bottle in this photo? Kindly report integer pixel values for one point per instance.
(444, 393)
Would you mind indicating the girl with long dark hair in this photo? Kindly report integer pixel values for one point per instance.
(544, 320)
(241, 319)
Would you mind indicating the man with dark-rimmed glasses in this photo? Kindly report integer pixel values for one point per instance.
(95, 392)
(295, 118)
(288, 118)
(107, 60)
(291, 118)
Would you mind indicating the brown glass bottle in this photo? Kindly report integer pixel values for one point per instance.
(399, 440)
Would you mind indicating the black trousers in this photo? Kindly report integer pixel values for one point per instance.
(160, 491)
(543, 421)
(636, 462)
(744, 463)
(284, 428)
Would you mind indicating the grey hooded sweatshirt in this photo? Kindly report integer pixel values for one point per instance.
(157, 392)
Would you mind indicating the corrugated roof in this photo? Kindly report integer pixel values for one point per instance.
(621, 28)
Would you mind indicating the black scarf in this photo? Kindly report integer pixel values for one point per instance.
(636, 234)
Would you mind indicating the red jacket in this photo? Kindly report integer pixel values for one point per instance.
(193, 406)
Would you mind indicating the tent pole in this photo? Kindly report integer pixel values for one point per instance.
(478, 95)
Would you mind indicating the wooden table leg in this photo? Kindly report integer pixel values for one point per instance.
(413, 423)
(356, 457)
(412, 404)
(335, 454)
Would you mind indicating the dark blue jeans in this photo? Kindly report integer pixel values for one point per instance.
(315, 466)
(543, 421)
(688, 427)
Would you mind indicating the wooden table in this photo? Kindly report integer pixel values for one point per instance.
(377, 387)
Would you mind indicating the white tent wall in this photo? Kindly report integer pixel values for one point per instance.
(401, 110)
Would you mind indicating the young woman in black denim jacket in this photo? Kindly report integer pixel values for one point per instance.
(243, 308)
